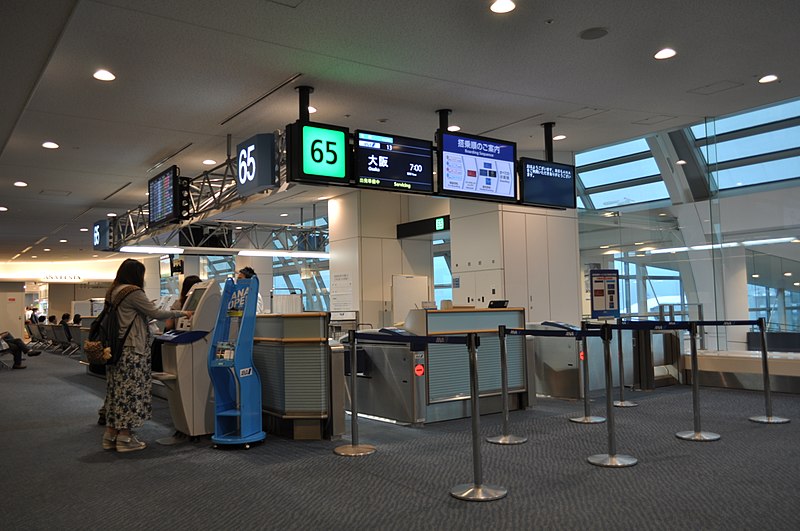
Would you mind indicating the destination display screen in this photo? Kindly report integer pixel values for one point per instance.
(163, 196)
(549, 184)
(391, 162)
(474, 167)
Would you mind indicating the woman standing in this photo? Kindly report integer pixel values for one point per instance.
(128, 384)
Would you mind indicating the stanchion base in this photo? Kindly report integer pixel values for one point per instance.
(702, 436)
(763, 419)
(358, 450)
(506, 439)
(588, 420)
(624, 403)
(612, 461)
(473, 492)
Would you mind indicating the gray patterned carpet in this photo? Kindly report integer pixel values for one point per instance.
(55, 475)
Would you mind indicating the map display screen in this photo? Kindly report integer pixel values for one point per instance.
(476, 167)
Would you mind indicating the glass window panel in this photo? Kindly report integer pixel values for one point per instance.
(279, 281)
(441, 294)
(749, 146)
(663, 292)
(619, 173)
(653, 271)
(632, 194)
(774, 170)
(611, 152)
(441, 273)
(580, 203)
(750, 119)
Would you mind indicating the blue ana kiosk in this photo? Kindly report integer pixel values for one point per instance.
(237, 385)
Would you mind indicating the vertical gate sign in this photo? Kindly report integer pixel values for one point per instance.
(255, 164)
(604, 286)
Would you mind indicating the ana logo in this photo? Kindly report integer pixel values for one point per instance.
(238, 298)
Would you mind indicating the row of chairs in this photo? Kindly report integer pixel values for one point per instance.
(56, 338)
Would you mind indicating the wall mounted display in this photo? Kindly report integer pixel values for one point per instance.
(548, 184)
(168, 198)
(474, 167)
(392, 162)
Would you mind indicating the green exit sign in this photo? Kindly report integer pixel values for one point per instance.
(439, 223)
(318, 153)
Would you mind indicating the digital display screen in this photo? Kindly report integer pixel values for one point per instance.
(194, 299)
(163, 196)
(474, 167)
(548, 184)
(165, 266)
(318, 153)
(391, 162)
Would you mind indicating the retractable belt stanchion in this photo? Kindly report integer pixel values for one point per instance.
(587, 418)
(476, 491)
(768, 418)
(697, 434)
(354, 449)
(505, 438)
(611, 459)
(621, 402)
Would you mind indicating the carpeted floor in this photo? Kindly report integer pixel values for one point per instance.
(56, 476)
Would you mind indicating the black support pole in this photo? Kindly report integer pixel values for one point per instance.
(548, 140)
(304, 91)
(444, 122)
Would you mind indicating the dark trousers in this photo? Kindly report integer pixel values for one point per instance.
(17, 347)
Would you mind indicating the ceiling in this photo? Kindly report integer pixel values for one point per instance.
(185, 67)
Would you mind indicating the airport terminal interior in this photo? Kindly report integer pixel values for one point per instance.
(584, 213)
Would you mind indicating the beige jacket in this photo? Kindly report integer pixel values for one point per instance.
(137, 308)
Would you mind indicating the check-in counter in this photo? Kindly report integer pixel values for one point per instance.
(295, 362)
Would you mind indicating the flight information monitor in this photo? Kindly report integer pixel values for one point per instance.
(548, 184)
(474, 167)
(164, 197)
(391, 162)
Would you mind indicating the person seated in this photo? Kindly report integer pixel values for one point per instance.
(43, 319)
(64, 322)
(17, 348)
(76, 319)
(51, 320)
(64, 318)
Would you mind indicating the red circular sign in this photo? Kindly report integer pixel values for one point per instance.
(419, 369)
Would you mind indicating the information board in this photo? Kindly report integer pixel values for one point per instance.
(164, 200)
(475, 167)
(392, 162)
(548, 184)
(318, 153)
(604, 286)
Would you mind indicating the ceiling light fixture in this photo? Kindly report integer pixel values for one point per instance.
(755, 275)
(84, 229)
(146, 249)
(768, 241)
(34, 256)
(50, 145)
(104, 75)
(453, 128)
(787, 274)
(502, 6)
(47, 250)
(111, 215)
(284, 254)
(795, 283)
(284, 215)
(62, 241)
(666, 53)
(238, 227)
(559, 137)
(209, 162)
(769, 78)
(20, 184)
(681, 162)
(3, 209)
(311, 109)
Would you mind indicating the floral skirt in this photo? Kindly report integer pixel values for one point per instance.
(128, 390)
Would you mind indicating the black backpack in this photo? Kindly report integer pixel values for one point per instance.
(104, 346)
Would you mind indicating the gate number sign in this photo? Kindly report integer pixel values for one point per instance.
(324, 152)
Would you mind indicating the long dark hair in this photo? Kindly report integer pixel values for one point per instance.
(130, 272)
(188, 282)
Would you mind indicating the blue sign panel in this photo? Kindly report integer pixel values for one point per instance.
(604, 287)
(255, 164)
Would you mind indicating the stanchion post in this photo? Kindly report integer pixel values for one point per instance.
(611, 459)
(505, 437)
(354, 449)
(768, 418)
(622, 402)
(587, 418)
(697, 434)
(476, 491)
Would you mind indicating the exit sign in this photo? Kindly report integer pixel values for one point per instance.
(318, 153)
(423, 226)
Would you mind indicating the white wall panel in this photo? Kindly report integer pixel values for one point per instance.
(515, 259)
(538, 263)
(564, 265)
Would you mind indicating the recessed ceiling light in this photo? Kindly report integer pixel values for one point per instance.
(559, 137)
(239, 227)
(323, 198)
(787, 274)
(111, 215)
(50, 145)
(681, 162)
(95, 255)
(283, 215)
(666, 53)
(104, 75)
(20, 184)
(638, 243)
(209, 162)
(755, 275)
(662, 214)
(34, 256)
(795, 241)
(795, 283)
(453, 128)
(768, 78)
(605, 246)
(46, 250)
(62, 241)
(311, 110)
(502, 6)
(84, 229)
(3, 209)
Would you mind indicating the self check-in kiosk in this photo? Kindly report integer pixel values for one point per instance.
(185, 360)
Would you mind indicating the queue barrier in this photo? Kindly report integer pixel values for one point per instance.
(475, 491)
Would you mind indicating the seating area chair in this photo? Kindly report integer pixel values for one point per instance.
(37, 341)
(3, 351)
(60, 335)
(48, 335)
(76, 340)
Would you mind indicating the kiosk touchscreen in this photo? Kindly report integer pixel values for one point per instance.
(185, 375)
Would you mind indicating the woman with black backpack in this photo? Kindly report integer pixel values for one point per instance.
(128, 383)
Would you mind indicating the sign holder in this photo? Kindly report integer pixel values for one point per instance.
(505, 437)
